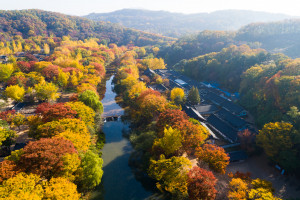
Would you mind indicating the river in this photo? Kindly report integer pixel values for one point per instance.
(119, 181)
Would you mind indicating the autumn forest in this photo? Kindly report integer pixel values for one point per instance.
(214, 114)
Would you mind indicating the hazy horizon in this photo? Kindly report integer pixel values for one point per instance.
(76, 7)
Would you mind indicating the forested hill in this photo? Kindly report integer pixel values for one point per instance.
(275, 37)
(282, 36)
(43, 23)
(177, 24)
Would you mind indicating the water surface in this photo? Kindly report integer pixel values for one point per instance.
(118, 181)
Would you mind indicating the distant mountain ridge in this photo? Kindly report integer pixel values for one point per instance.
(177, 24)
(34, 22)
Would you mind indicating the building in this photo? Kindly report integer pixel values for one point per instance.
(159, 87)
(235, 121)
(181, 82)
(214, 98)
(206, 110)
(234, 108)
(191, 112)
(3, 59)
(149, 72)
(224, 129)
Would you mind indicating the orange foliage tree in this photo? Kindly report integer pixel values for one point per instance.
(215, 156)
(45, 156)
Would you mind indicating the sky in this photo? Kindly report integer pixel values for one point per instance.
(84, 7)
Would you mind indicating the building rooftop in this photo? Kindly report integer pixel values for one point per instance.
(181, 82)
(206, 109)
(232, 107)
(230, 118)
(214, 98)
(223, 128)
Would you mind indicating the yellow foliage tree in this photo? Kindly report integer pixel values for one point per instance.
(171, 142)
(171, 173)
(81, 141)
(176, 92)
(62, 78)
(85, 113)
(154, 63)
(61, 189)
(238, 189)
(5, 71)
(46, 48)
(275, 138)
(71, 162)
(136, 90)
(46, 91)
(15, 92)
(22, 186)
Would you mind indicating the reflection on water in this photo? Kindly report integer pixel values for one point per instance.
(118, 181)
(110, 106)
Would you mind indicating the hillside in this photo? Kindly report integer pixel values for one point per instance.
(275, 37)
(278, 37)
(37, 22)
(177, 24)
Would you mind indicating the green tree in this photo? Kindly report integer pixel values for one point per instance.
(91, 99)
(294, 115)
(15, 92)
(92, 171)
(194, 96)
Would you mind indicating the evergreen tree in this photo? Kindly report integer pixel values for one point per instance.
(194, 96)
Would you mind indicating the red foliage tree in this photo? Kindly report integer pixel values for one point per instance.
(31, 57)
(70, 70)
(17, 80)
(25, 67)
(6, 115)
(8, 169)
(215, 156)
(147, 92)
(44, 157)
(50, 72)
(99, 68)
(241, 175)
(55, 112)
(201, 184)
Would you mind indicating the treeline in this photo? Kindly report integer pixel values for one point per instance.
(63, 159)
(178, 24)
(166, 141)
(29, 23)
